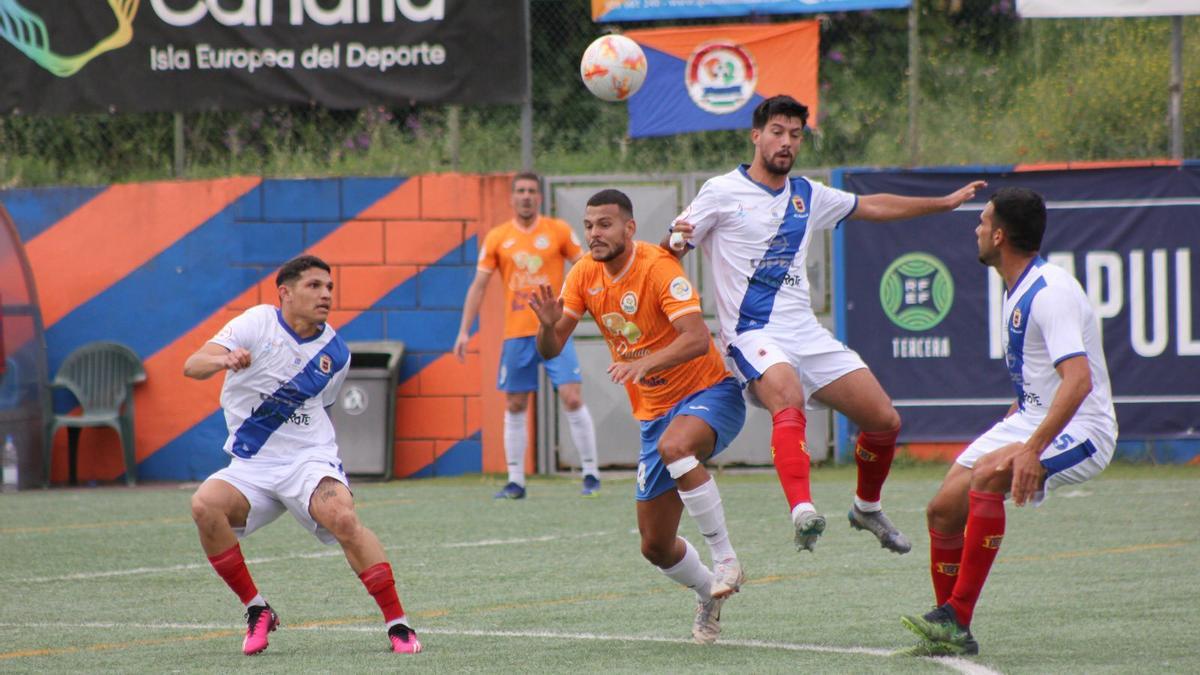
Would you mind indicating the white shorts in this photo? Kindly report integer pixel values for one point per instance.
(272, 489)
(1077, 455)
(819, 361)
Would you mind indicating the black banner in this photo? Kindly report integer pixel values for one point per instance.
(60, 56)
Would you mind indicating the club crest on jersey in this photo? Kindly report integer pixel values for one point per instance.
(325, 363)
(1016, 318)
(681, 289)
(798, 203)
(629, 302)
(542, 242)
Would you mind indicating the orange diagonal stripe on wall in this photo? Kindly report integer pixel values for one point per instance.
(116, 232)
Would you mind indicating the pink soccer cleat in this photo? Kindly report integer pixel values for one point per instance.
(404, 639)
(260, 620)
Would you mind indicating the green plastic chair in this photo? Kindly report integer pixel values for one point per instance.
(101, 376)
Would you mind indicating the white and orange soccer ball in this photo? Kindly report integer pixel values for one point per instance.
(613, 67)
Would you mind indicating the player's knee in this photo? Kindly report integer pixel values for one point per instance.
(516, 405)
(672, 450)
(888, 419)
(345, 525)
(571, 401)
(658, 553)
(203, 511)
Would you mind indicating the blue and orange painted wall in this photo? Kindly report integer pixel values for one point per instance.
(161, 266)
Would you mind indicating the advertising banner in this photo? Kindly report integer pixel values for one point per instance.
(184, 55)
(1074, 8)
(712, 77)
(656, 10)
(924, 313)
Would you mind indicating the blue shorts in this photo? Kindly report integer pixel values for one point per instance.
(519, 365)
(721, 407)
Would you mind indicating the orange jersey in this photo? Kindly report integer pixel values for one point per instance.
(634, 311)
(527, 259)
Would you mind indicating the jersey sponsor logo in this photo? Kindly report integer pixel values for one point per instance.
(917, 291)
(620, 327)
(681, 289)
(629, 302)
(325, 364)
(542, 242)
(779, 253)
(720, 76)
(798, 205)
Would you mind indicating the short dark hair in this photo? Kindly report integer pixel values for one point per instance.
(1021, 213)
(293, 268)
(779, 105)
(527, 175)
(611, 196)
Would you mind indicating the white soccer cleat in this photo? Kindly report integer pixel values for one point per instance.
(809, 526)
(728, 578)
(707, 625)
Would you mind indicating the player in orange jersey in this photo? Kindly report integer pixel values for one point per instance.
(689, 406)
(530, 250)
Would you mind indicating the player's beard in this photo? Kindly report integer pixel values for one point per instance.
(614, 251)
(780, 167)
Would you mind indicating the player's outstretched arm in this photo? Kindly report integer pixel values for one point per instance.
(470, 311)
(885, 207)
(212, 358)
(554, 325)
(1027, 467)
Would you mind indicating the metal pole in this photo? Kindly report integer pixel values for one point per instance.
(178, 160)
(914, 83)
(454, 134)
(527, 104)
(1175, 109)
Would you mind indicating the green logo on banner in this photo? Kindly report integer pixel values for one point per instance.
(916, 291)
(27, 32)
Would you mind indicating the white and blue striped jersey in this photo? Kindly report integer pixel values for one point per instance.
(1049, 319)
(756, 240)
(275, 409)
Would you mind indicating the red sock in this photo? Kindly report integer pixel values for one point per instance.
(874, 458)
(231, 566)
(790, 455)
(945, 554)
(382, 586)
(981, 543)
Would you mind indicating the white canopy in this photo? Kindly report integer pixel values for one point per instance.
(1077, 8)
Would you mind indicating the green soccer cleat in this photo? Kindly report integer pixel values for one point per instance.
(928, 648)
(941, 628)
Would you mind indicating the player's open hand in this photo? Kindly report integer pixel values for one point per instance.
(460, 346)
(965, 193)
(236, 360)
(1027, 475)
(624, 372)
(547, 306)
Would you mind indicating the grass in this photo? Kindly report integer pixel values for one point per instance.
(1102, 578)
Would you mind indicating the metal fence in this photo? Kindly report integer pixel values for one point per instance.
(992, 89)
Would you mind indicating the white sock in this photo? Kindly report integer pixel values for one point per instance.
(704, 506)
(583, 434)
(516, 436)
(867, 507)
(403, 619)
(258, 600)
(802, 507)
(692, 573)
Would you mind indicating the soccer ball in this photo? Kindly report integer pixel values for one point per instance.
(613, 67)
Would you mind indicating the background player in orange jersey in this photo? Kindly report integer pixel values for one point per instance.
(530, 250)
(689, 406)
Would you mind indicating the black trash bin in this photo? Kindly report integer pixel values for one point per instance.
(364, 415)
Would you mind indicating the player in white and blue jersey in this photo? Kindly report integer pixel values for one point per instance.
(754, 225)
(285, 366)
(1061, 429)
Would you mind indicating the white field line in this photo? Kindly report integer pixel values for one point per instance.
(956, 664)
(335, 553)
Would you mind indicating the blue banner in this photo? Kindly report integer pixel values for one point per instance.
(924, 313)
(655, 10)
